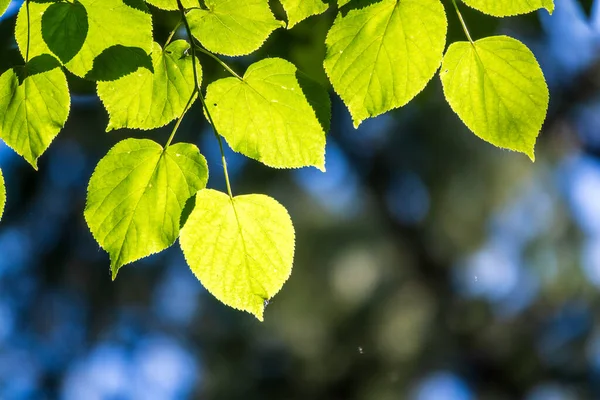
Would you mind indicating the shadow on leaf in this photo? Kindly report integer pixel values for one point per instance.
(138, 5)
(317, 97)
(37, 65)
(118, 61)
(64, 29)
(187, 210)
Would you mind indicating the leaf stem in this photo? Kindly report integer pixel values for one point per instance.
(187, 106)
(201, 97)
(217, 59)
(28, 31)
(173, 33)
(462, 21)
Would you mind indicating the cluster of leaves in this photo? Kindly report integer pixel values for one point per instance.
(380, 54)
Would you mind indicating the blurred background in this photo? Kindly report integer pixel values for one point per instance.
(429, 264)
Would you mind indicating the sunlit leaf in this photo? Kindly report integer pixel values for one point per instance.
(241, 249)
(150, 99)
(299, 10)
(498, 90)
(233, 28)
(3, 6)
(110, 23)
(2, 194)
(381, 56)
(34, 106)
(172, 4)
(136, 196)
(275, 115)
(504, 8)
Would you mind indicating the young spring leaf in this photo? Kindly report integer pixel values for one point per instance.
(241, 249)
(381, 56)
(2, 194)
(342, 3)
(299, 10)
(34, 106)
(497, 88)
(274, 115)
(136, 196)
(117, 30)
(233, 28)
(146, 99)
(3, 6)
(505, 8)
(172, 4)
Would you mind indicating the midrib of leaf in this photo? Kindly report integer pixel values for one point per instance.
(382, 38)
(138, 203)
(486, 75)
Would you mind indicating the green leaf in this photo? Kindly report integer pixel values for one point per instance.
(233, 28)
(146, 99)
(381, 56)
(136, 196)
(124, 23)
(64, 29)
(172, 4)
(342, 3)
(504, 8)
(2, 194)
(3, 6)
(497, 88)
(34, 106)
(299, 10)
(275, 115)
(241, 249)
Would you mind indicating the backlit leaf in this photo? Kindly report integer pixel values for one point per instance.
(241, 249)
(498, 90)
(381, 56)
(34, 106)
(2, 194)
(504, 8)
(136, 196)
(299, 10)
(275, 115)
(3, 6)
(146, 99)
(172, 4)
(233, 28)
(111, 23)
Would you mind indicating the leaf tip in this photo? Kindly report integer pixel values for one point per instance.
(114, 270)
(531, 155)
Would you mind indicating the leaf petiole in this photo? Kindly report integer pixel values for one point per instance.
(462, 21)
(201, 97)
(217, 59)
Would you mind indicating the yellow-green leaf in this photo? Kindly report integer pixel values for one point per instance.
(233, 28)
(136, 196)
(3, 6)
(299, 10)
(498, 90)
(381, 56)
(505, 8)
(150, 99)
(2, 194)
(34, 106)
(118, 31)
(172, 4)
(274, 115)
(241, 249)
